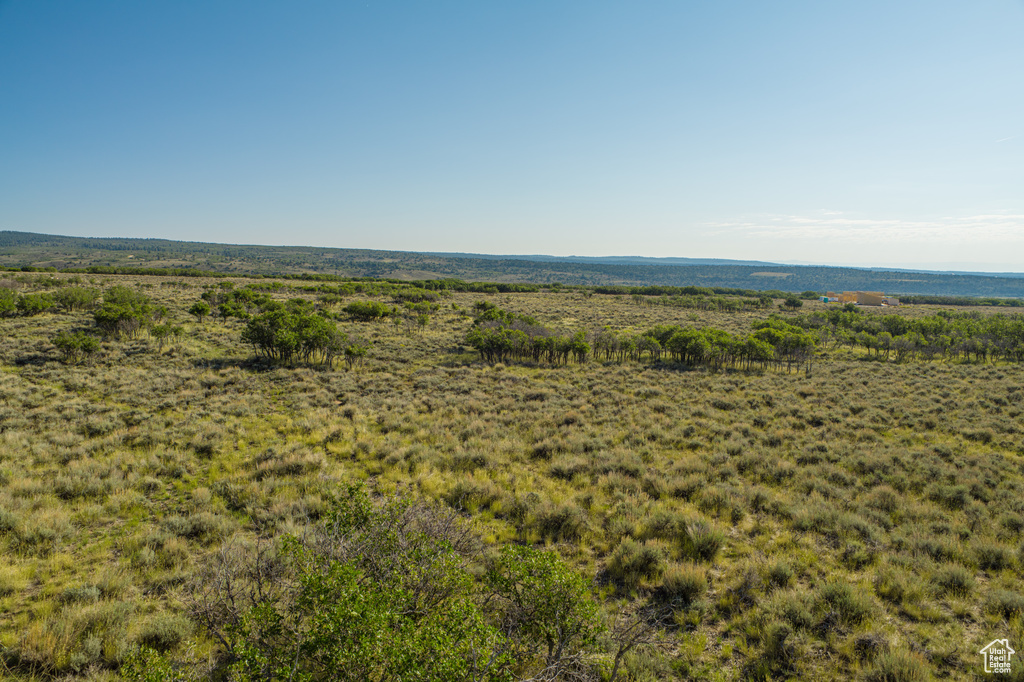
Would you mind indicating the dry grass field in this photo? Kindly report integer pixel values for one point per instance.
(862, 520)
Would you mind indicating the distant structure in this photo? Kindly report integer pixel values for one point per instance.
(861, 298)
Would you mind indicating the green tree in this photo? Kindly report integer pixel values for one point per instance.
(354, 354)
(199, 310)
(284, 336)
(162, 332)
(124, 312)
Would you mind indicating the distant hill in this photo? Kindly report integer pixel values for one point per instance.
(606, 260)
(23, 249)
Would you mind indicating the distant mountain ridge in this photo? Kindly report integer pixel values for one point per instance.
(23, 249)
(611, 260)
(654, 260)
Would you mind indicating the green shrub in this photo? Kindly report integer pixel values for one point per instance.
(86, 593)
(566, 523)
(76, 298)
(856, 555)
(844, 601)
(282, 335)
(124, 312)
(992, 556)
(793, 606)
(954, 579)
(1005, 603)
(633, 562)
(164, 631)
(76, 346)
(548, 601)
(203, 526)
(779, 575)
(700, 541)
(892, 584)
(8, 301)
(683, 583)
(470, 494)
(367, 310)
(35, 304)
(199, 310)
(778, 650)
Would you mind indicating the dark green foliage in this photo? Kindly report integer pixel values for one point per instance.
(544, 602)
(8, 301)
(75, 346)
(124, 312)
(343, 626)
(76, 298)
(200, 309)
(966, 336)
(500, 336)
(162, 332)
(35, 304)
(374, 592)
(368, 310)
(144, 664)
(286, 336)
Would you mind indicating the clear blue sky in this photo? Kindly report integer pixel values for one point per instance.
(867, 132)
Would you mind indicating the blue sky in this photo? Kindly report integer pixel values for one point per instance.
(874, 133)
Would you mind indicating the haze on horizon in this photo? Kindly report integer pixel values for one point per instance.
(871, 133)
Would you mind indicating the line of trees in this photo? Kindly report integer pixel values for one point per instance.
(707, 302)
(501, 336)
(963, 336)
(70, 298)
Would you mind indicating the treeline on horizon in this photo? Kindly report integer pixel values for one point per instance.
(703, 298)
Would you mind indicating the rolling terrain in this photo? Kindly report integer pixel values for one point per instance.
(19, 249)
(836, 510)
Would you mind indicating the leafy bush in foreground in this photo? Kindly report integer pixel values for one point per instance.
(383, 591)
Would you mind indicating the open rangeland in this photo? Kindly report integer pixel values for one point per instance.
(856, 516)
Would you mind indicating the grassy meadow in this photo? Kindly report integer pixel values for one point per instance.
(860, 520)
